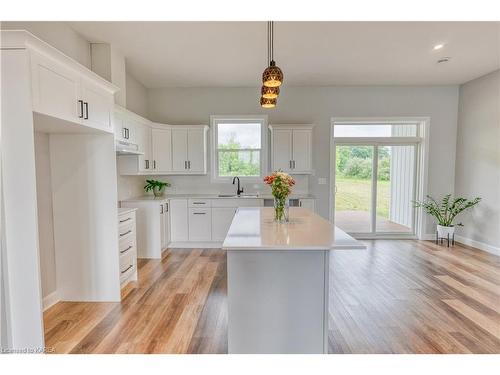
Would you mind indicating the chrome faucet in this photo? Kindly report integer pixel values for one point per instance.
(239, 190)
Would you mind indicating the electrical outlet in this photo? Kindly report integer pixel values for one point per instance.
(321, 181)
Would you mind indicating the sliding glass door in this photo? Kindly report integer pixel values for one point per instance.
(375, 187)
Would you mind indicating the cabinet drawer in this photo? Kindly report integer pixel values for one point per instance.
(127, 265)
(126, 232)
(199, 203)
(127, 245)
(126, 219)
(200, 224)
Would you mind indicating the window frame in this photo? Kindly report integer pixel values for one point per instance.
(214, 152)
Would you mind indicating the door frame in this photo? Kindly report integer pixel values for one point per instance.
(421, 173)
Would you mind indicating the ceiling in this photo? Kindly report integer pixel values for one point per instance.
(234, 54)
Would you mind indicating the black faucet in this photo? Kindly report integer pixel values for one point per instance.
(239, 190)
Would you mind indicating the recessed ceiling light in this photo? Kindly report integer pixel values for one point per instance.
(438, 46)
(443, 60)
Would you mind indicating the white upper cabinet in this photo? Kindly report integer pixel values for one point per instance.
(291, 148)
(55, 89)
(189, 149)
(161, 140)
(63, 91)
(97, 106)
(141, 135)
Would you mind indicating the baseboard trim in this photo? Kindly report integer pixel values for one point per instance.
(479, 245)
(50, 300)
(195, 245)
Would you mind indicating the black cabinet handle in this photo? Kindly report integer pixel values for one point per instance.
(129, 267)
(185, 165)
(147, 163)
(189, 164)
(124, 234)
(199, 213)
(127, 219)
(166, 207)
(154, 164)
(86, 110)
(81, 108)
(127, 249)
(161, 205)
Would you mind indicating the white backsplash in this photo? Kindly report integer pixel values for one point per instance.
(132, 186)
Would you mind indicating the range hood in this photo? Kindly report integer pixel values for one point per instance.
(126, 148)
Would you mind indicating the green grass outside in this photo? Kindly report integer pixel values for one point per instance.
(355, 195)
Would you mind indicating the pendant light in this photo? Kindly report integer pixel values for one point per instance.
(267, 103)
(270, 92)
(272, 76)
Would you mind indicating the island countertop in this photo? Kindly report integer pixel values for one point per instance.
(255, 229)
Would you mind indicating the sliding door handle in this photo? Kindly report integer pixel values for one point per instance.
(80, 115)
(86, 111)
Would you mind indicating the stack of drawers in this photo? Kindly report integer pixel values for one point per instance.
(127, 245)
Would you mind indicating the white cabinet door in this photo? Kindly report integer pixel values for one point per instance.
(162, 150)
(221, 221)
(200, 224)
(282, 149)
(179, 220)
(179, 150)
(163, 238)
(142, 136)
(196, 151)
(98, 106)
(301, 151)
(118, 126)
(166, 222)
(307, 203)
(55, 90)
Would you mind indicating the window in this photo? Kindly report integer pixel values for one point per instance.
(238, 147)
(355, 130)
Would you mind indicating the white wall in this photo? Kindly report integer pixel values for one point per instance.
(317, 105)
(478, 157)
(137, 100)
(57, 34)
(45, 218)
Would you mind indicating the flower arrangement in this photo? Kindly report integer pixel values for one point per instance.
(281, 187)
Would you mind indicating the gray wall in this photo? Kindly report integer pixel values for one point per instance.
(478, 157)
(58, 35)
(137, 100)
(317, 105)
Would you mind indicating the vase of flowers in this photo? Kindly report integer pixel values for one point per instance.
(281, 186)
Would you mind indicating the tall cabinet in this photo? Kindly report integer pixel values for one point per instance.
(291, 148)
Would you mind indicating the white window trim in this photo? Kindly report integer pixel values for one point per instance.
(263, 119)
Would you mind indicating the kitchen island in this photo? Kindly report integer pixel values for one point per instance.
(278, 280)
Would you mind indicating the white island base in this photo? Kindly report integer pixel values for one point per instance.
(278, 276)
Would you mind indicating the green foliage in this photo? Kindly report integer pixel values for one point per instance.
(152, 184)
(238, 163)
(448, 209)
(356, 162)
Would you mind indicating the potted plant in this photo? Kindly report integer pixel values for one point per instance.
(281, 186)
(446, 211)
(158, 187)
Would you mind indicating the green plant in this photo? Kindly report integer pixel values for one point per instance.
(155, 184)
(447, 210)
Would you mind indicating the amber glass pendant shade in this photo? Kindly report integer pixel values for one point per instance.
(267, 103)
(270, 92)
(272, 76)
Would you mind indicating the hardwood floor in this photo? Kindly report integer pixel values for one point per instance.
(395, 297)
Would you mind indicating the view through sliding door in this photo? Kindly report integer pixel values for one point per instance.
(375, 188)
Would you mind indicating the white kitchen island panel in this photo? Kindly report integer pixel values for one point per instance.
(278, 280)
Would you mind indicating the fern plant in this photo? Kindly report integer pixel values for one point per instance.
(156, 186)
(448, 209)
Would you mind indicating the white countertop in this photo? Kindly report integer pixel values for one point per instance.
(212, 196)
(255, 229)
(125, 210)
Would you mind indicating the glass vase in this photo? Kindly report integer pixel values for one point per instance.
(281, 209)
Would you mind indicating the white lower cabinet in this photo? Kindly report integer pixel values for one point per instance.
(221, 221)
(152, 229)
(127, 246)
(200, 224)
(179, 220)
(308, 203)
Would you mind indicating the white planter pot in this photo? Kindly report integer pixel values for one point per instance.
(443, 231)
